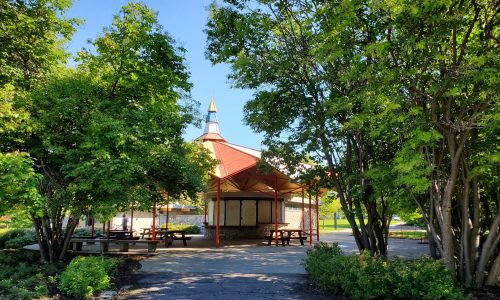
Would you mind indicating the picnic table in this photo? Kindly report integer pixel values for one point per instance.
(121, 234)
(168, 235)
(285, 235)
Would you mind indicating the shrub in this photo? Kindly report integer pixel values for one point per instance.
(86, 232)
(190, 229)
(86, 275)
(22, 276)
(17, 238)
(367, 277)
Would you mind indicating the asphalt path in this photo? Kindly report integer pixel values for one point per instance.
(243, 271)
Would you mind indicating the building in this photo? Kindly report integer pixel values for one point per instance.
(243, 201)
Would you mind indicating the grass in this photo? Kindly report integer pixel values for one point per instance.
(341, 224)
(407, 234)
(329, 225)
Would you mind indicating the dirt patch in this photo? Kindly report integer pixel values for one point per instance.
(126, 273)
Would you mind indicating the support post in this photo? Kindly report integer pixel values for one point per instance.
(217, 226)
(276, 210)
(109, 226)
(303, 216)
(154, 222)
(205, 213)
(92, 228)
(310, 221)
(168, 211)
(317, 218)
(132, 219)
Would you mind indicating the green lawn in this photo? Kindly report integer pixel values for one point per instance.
(341, 224)
(328, 225)
(408, 234)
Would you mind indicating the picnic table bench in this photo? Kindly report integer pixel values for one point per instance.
(124, 244)
(167, 235)
(173, 235)
(285, 235)
(77, 243)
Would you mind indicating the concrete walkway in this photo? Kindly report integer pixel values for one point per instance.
(247, 270)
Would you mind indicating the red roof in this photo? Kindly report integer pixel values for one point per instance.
(232, 160)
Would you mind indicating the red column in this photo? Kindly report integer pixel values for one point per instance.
(109, 226)
(310, 221)
(154, 222)
(205, 213)
(132, 219)
(217, 226)
(276, 209)
(168, 213)
(92, 228)
(317, 217)
(303, 217)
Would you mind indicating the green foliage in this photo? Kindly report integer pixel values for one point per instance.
(18, 181)
(85, 276)
(372, 277)
(86, 231)
(191, 229)
(17, 238)
(22, 276)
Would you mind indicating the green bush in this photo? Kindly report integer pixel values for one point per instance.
(190, 229)
(22, 276)
(367, 277)
(17, 238)
(86, 232)
(86, 275)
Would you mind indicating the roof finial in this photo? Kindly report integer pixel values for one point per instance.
(212, 107)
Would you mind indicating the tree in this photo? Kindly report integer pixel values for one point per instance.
(444, 61)
(31, 39)
(398, 99)
(108, 133)
(311, 101)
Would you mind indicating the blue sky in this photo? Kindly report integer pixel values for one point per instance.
(185, 21)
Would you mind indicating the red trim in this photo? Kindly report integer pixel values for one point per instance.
(310, 221)
(276, 210)
(217, 228)
(109, 226)
(168, 212)
(132, 219)
(303, 217)
(154, 222)
(205, 213)
(317, 218)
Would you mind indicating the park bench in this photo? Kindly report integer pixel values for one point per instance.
(124, 244)
(76, 244)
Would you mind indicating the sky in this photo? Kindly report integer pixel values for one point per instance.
(185, 21)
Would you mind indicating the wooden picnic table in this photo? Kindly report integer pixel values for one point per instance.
(171, 235)
(285, 235)
(168, 235)
(121, 234)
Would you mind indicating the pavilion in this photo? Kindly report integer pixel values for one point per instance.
(244, 202)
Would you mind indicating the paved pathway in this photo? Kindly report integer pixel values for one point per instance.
(240, 272)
